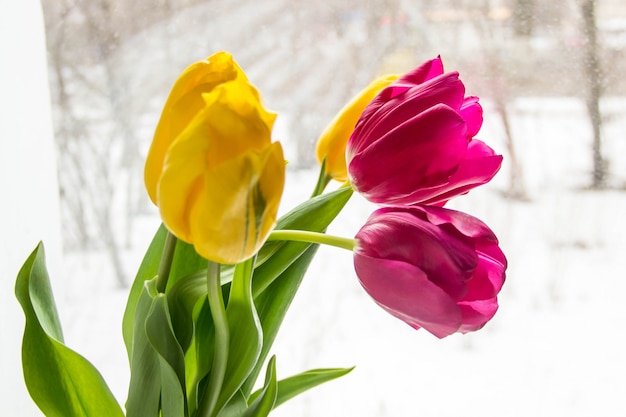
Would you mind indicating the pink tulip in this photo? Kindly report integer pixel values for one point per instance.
(431, 267)
(414, 142)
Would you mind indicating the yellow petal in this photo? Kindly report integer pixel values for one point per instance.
(237, 208)
(237, 122)
(222, 178)
(184, 102)
(333, 140)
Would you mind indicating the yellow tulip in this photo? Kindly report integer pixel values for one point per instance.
(332, 142)
(215, 174)
(184, 103)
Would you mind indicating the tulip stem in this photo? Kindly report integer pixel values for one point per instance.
(322, 180)
(222, 341)
(166, 262)
(312, 237)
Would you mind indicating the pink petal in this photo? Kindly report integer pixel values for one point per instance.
(401, 161)
(486, 282)
(445, 89)
(428, 70)
(479, 167)
(396, 233)
(468, 225)
(472, 112)
(405, 292)
(476, 314)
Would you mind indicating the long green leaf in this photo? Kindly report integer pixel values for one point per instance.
(313, 215)
(297, 384)
(246, 335)
(184, 263)
(61, 382)
(147, 270)
(272, 305)
(183, 297)
(144, 392)
(235, 407)
(264, 403)
(171, 358)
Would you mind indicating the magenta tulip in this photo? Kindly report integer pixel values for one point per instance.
(431, 267)
(414, 143)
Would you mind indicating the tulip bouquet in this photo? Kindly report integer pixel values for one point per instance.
(219, 276)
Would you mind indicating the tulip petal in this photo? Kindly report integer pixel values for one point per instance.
(472, 112)
(182, 105)
(332, 143)
(427, 71)
(476, 314)
(416, 258)
(236, 122)
(479, 167)
(445, 89)
(487, 280)
(405, 292)
(402, 161)
(250, 187)
(399, 233)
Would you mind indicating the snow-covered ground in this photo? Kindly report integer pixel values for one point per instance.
(555, 348)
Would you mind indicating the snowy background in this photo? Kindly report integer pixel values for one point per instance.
(554, 349)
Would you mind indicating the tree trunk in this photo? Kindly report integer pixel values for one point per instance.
(593, 76)
(523, 12)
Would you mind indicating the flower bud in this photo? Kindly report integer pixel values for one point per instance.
(431, 267)
(212, 169)
(414, 142)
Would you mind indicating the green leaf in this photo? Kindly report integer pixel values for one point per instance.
(185, 262)
(297, 384)
(264, 402)
(183, 297)
(147, 270)
(144, 392)
(204, 346)
(246, 335)
(60, 381)
(272, 305)
(277, 279)
(235, 407)
(313, 215)
(171, 358)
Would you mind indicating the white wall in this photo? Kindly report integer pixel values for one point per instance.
(29, 210)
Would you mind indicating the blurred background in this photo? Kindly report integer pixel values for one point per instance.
(550, 76)
(112, 63)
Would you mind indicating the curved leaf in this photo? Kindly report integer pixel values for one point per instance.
(246, 334)
(147, 270)
(297, 384)
(264, 403)
(171, 359)
(184, 262)
(272, 305)
(314, 215)
(235, 407)
(144, 391)
(61, 382)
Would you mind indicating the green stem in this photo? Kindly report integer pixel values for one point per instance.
(322, 180)
(313, 237)
(222, 341)
(166, 262)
